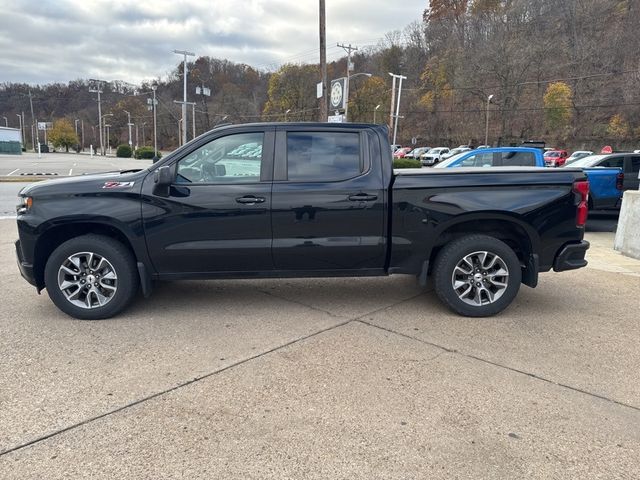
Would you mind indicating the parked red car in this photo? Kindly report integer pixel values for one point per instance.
(555, 158)
(401, 152)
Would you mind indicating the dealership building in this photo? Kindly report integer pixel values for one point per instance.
(10, 140)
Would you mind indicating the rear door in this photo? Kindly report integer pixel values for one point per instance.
(631, 169)
(328, 205)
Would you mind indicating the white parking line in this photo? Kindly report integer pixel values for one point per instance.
(11, 173)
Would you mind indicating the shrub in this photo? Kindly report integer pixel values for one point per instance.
(146, 153)
(406, 163)
(124, 151)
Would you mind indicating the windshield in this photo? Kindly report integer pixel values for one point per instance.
(450, 160)
(589, 161)
(552, 154)
(434, 150)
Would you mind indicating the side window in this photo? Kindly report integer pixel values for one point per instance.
(478, 160)
(518, 159)
(323, 156)
(635, 163)
(231, 159)
(613, 162)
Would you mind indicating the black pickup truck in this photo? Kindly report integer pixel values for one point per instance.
(298, 200)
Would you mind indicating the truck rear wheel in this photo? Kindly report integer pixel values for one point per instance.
(477, 275)
(91, 277)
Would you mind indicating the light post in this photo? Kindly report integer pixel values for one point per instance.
(103, 127)
(346, 92)
(144, 140)
(397, 115)
(486, 125)
(129, 125)
(6, 122)
(286, 114)
(106, 126)
(21, 132)
(184, 99)
(375, 110)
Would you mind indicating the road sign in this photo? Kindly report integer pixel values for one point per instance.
(337, 96)
(414, 140)
(319, 90)
(335, 118)
(45, 126)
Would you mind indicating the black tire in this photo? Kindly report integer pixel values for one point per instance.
(453, 253)
(120, 258)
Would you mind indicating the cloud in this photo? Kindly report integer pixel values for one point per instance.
(59, 40)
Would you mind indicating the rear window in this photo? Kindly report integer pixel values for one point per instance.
(323, 156)
(518, 159)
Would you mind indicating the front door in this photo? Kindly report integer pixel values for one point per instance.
(216, 218)
(328, 210)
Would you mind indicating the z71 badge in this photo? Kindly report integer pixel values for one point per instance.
(118, 184)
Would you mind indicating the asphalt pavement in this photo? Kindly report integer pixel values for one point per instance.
(62, 164)
(324, 378)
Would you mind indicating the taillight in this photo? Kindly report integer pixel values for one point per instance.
(582, 188)
(619, 181)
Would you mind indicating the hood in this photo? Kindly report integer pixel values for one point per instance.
(125, 180)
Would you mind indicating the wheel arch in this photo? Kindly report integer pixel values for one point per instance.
(56, 235)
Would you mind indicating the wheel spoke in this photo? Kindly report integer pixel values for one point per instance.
(483, 268)
(98, 273)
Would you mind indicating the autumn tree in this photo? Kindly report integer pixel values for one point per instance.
(558, 106)
(364, 98)
(618, 127)
(63, 134)
(292, 88)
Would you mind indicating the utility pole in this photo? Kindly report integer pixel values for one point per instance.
(82, 130)
(347, 49)
(397, 115)
(324, 108)
(185, 127)
(184, 99)
(98, 90)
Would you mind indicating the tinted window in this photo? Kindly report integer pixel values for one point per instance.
(518, 159)
(323, 156)
(635, 164)
(231, 159)
(614, 162)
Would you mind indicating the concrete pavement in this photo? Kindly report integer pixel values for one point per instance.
(333, 378)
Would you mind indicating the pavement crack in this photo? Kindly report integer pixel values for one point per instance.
(297, 302)
(169, 390)
(503, 366)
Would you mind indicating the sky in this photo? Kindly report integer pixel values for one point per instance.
(45, 41)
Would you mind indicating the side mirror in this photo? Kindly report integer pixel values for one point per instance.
(162, 178)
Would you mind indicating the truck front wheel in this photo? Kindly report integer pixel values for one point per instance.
(91, 277)
(477, 275)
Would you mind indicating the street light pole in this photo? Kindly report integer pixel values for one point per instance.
(375, 110)
(395, 128)
(346, 92)
(129, 125)
(155, 139)
(6, 121)
(486, 125)
(102, 125)
(21, 132)
(286, 114)
(184, 100)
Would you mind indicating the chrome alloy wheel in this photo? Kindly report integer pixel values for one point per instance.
(87, 280)
(480, 278)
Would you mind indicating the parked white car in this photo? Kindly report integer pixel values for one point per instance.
(455, 151)
(577, 155)
(433, 156)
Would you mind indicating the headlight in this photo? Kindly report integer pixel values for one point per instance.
(24, 204)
